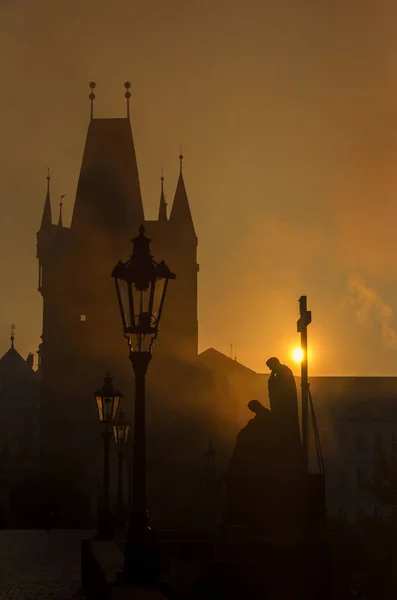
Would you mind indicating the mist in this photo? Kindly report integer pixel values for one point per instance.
(287, 116)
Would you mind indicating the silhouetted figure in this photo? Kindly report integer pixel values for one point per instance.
(283, 398)
(251, 474)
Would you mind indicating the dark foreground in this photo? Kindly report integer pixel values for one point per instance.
(36, 565)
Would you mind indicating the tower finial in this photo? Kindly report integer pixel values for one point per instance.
(92, 85)
(181, 160)
(12, 338)
(60, 222)
(48, 180)
(127, 94)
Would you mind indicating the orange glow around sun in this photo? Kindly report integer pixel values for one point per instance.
(297, 355)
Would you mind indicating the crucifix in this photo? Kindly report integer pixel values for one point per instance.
(304, 320)
(12, 335)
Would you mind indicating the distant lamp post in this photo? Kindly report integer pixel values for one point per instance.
(108, 401)
(120, 432)
(141, 286)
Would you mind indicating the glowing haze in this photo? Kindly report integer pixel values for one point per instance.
(287, 112)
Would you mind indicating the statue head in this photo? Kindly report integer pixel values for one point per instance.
(255, 406)
(273, 363)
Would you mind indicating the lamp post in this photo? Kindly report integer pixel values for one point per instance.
(141, 286)
(108, 401)
(120, 432)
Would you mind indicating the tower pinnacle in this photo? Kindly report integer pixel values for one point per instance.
(180, 212)
(47, 218)
(12, 338)
(127, 94)
(181, 160)
(163, 203)
(92, 85)
(60, 222)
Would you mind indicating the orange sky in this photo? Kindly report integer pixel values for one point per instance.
(287, 112)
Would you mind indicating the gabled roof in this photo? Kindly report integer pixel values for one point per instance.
(215, 359)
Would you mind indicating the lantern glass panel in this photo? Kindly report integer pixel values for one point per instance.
(115, 407)
(158, 298)
(100, 408)
(141, 304)
(126, 308)
(108, 404)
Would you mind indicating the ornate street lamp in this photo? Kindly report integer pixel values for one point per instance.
(120, 431)
(108, 401)
(141, 286)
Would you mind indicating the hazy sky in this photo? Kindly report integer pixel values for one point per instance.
(287, 111)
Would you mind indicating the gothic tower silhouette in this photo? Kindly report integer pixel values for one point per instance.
(82, 334)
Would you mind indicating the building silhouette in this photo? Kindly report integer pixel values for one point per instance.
(19, 439)
(82, 334)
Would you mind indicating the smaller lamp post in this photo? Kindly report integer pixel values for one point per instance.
(108, 401)
(120, 431)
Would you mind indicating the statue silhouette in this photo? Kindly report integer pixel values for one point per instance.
(265, 471)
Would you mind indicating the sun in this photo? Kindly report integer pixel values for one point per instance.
(297, 354)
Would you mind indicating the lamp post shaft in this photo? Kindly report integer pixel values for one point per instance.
(129, 500)
(105, 526)
(137, 561)
(139, 520)
(120, 505)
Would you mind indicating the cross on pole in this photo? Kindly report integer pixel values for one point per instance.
(303, 322)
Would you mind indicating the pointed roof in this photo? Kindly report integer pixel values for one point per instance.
(108, 194)
(46, 219)
(13, 362)
(180, 213)
(163, 203)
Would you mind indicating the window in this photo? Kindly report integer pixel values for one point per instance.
(394, 444)
(82, 318)
(378, 442)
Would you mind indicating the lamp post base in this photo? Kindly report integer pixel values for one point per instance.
(141, 560)
(105, 528)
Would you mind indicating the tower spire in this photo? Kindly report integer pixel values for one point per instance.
(180, 212)
(180, 161)
(163, 203)
(12, 338)
(47, 218)
(92, 97)
(127, 94)
(60, 222)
